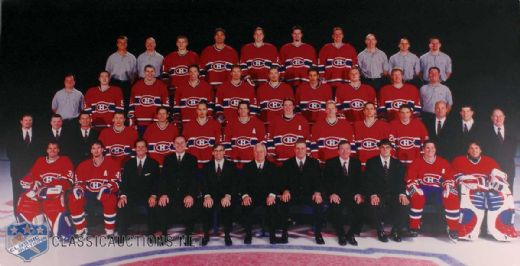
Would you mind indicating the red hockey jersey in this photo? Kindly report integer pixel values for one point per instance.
(351, 101)
(201, 138)
(187, 98)
(49, 174)
(335, 63)
(240, 138)
(271, 99)
(160, 141)
(391, 98)
(144, 100)
(216, 64)
(176, 66)
(119, 145)
(229, 96)
(408, 139)
(92, 178)
(102, 105)
(256, 61)
(325, 138)
(482, 168)
(312, 101)
(429, 174)
(284, 133)
(296, 61)
(368, 137)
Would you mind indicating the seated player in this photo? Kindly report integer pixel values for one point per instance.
(118, 139)
(231, 93)
(311, 97)
(189, 94)
(408, 135)
(484, 192)
(160, 136)
(45, 187)
(353, 96)
(430, 178)
(97, 179)
(270, 96)
(393, 96)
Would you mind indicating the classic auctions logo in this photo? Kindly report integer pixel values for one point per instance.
(26, 241)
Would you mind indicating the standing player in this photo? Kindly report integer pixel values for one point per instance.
(408, 134)
(202, 134)
(285, 131)
(118, 140)
(311, 97)
(216, 60)
(270, 96)
(394, 95)
(176, 64)
(352, 97)
(328, 132)
(96, 179)
(258, 57)
(190, 93)
(242, 134)
(103, 101)
(369, 132)
(431, 177)
(296, 58)
(232, 92)
(336, 59)
(160, 136)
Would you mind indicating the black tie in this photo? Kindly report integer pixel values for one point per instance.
(500, 136)
(345, 169)
(385, 167)
(439, 127)
(140, 168)
(301, 166)
(85, 135)
(57, 135)
(260, 167)
(27, 138)
(219, 170)
(466, 131)
(179, 159)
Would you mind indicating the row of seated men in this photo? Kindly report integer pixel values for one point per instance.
(386, 185)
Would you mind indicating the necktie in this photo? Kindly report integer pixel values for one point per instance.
(301, 166)
(439, 127)
(140, 168)
(57, 134)
(385, 167)
(500, 136)
(260, 167)
(179, 159)
(27, 138)
(219, 170)
(345, 169)
(465, 129)
(85, 134)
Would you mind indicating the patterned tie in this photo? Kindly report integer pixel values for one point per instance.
(466, 131)
(140, 168)
(345, 169)
(386, 169)
(86, 134)
(500, 136)
(439, 127)
(27, 138)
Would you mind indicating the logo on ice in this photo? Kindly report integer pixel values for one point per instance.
(27, 241)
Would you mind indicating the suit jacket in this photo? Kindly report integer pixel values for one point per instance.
(377, 184)
(48, 136)
(442, 140)
(337, 183)
(257, 183)
(459, 141)
(179, 179)
(77, 147)
(218, 186)
(503, 153)
(303, 183)
(140, 186)
(21, 155)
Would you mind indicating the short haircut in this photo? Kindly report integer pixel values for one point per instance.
(369, 103)
(179, 136)
(99, 143)
(236, 66)
(141, 140)
(259, 29)
(296, 27)
(370, 35)
(52, 142)
(355, 68)
(274, 67)
(219, 29)
(56, 116)
(181, 37)
(244, 102)
(122, 37)
(396, 70)
(337, 28)
(343, 142)
(218, 145)
(441, 102)
(329, 102)
(466, 105)
(471, 142)
(384, 142)
(104, 71)
(434, 38)
(149, 66)
(301, 141)
(83, 112)
(202, 102)
(194, 66)
(161, 108)
(434, 68)
(26, 115)
(70, 75)
(313, 69)
(428, 141)
(118, 112)
(288, 100)
(405, 106)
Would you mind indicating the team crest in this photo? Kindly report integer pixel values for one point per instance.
(274, 105)
(147, 100)
(258, 63)
(27, 241)
(181, 70)
(102, 107)
(219, 66)
(396, 104)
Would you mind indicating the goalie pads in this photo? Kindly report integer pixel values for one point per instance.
(501, 209)
(50, 192)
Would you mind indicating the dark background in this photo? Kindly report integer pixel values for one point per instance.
(43, 40)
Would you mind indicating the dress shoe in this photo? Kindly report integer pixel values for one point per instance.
(396, 237)
(248, 239)
(284, 239)
(342, 240)
(319, 239)
(205, 240)
(382, 236)
(227, 240)
(272, 239)
(351, 239)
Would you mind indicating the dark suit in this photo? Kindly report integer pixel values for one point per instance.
(346, 187)
(503, 152)
(76, 146)
(302, 184)
(178, 180)
(387, 188)
(442, 139)
(459, 140)
(217, 186)
(22, 157)
(49, 136)
(138, 188)
(258, 184)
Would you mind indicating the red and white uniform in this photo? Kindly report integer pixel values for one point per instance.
(256, 61)
(368, 137)
(240, 138)
(119, 144)
(424, 178)
(408, 139)
(351, 101)
(176, 66)
(216, 63)
(160, 141)
(229, 96)
(283, 134)
(201, 138)
(101, 105)
(335, 63)
(311, 101)
(100, 181)
(144, 100)
(295, 61)
(45, 186)
(325, 138)
(187, 98)
(391, 98)
(271, 99)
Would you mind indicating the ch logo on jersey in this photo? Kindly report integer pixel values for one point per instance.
(431, 179)
(314, 106)
(339, 62)
(233, 102)
(48, 177)
(102, 107)
(147, 100)
(258, 63)
(95, 184)
(297, 61)
(406, 143)
(162, 147)
(357, 104)
(331, 142)
(289, 139)
(202, 142)
(243, 142)
(117, 150)
(274, 105)
(396, 104)
(369, 144)
(181, 70)
(219, 66)
(192, 101)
